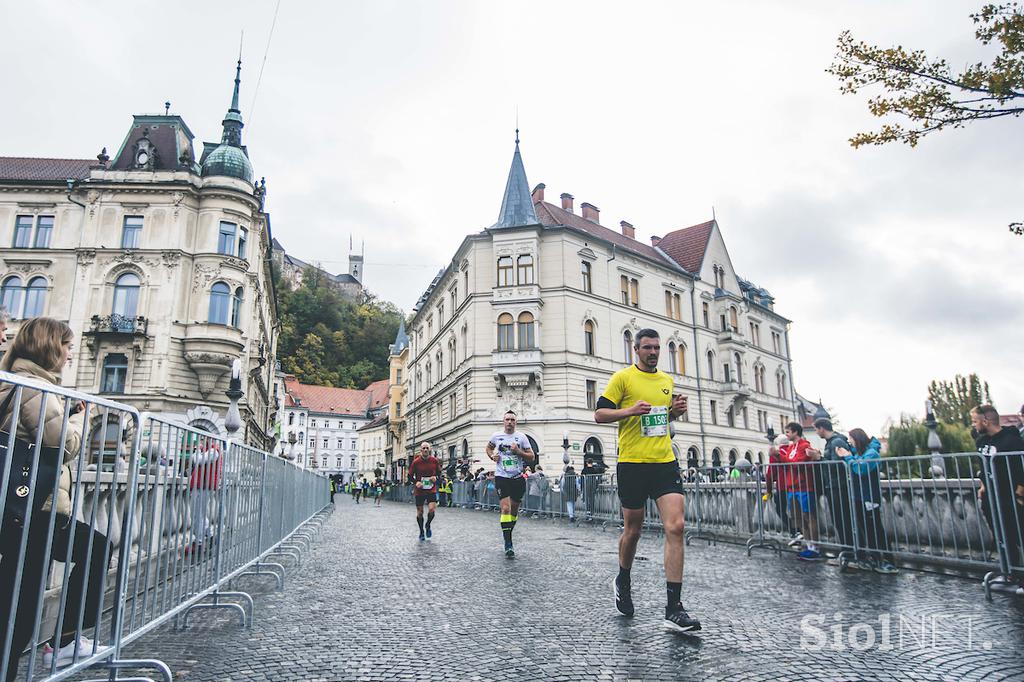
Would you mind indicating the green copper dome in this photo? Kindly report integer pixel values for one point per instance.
(229, 161)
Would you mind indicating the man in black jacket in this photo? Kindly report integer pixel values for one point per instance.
(1005, 480)
(832, 481)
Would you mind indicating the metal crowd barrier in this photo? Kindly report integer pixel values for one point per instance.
(865, 513)
(163, 518)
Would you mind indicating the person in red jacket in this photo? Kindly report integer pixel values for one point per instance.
(797, 479)
(424, 474)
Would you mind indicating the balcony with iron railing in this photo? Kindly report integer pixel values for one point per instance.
(117, 324)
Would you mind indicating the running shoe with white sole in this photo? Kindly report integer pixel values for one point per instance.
(678, 620)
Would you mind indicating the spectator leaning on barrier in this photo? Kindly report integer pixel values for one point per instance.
(40, 351)
(832, 480)
(775, 487)
(207, 466)
(1005, 483)
(863, 461)
(569, 486)
(801, 499)
(536, 488)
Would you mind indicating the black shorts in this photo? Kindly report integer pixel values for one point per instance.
(510, 487)
(424, 499)
(639, 481)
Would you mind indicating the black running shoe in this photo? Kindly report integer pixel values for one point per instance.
(509, 552)
(623, 598)
(429, 534)
(678, 620)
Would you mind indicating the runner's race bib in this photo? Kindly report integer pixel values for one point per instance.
(427, 484)
(654, 423)
(509, 462)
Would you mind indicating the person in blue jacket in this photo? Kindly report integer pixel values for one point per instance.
(867, 500)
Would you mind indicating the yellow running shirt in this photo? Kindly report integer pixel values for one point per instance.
(647, 442)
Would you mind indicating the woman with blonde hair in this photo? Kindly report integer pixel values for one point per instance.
(39, 351)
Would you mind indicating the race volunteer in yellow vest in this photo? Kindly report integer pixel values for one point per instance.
(641, 399)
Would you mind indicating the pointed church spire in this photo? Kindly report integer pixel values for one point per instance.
(517, 204)
(238, 82)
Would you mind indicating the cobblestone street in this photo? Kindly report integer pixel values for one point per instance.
(372, 603)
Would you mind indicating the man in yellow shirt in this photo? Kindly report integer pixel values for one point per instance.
(641, 399)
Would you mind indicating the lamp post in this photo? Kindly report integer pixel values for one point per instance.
(291, 447)
(565, 448)
(934, 442)
(233, 420)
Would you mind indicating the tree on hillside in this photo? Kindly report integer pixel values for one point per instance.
(331, 341)
(925, 94)
(952, 400)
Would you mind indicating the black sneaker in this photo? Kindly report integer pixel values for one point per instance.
(678, 620)
(623, 598)
(422, 537)
(429, 534)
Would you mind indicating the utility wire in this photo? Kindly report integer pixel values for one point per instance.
(259, 79)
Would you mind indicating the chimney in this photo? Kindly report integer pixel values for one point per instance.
(567, 201)
(655, 240)
(591, 212)
(538, 193)
(627, 229)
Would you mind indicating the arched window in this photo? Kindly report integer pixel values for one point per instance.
(672, 357)
(291, 418)
(711, 365)
(465, 344)
(10, 296)
(452, 359)
(588, 338)
(104, 439)
(126, 299)
(739, 367)
(302, 420)
(465, 449)
(35, 297)
(716, 458)
(627, 345)
(692, 458)
(782, 385)
(505, 274)
(535, 448)
(592, 449)
(525, 269)
(506, 338)
(681, 350)
(220, 300)
(440, 364)
(527, 335)
(236, 308)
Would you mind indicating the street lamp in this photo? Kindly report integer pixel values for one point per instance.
(934, 442)
(233, 420)
(565, 448)
(291, 447)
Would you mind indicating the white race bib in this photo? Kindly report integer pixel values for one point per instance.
(427, 484)
(655, 423)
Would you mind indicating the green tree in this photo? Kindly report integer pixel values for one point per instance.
(924, 94)
(952, 400)
(331, 341)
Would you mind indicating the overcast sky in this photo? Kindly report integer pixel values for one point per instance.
(392, 123)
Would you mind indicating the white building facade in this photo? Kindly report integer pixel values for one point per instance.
(535, 313)
(159, 263)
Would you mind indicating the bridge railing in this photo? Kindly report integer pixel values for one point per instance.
(961, 513)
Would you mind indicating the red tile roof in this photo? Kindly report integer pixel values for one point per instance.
(549, 214)
(687, 246)
(23, 168)
(380, 395)
(325, 399)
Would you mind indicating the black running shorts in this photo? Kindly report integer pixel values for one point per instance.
(423, 499)
(510, 487)
(639, 481)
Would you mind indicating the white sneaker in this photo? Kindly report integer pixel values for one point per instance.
(1020, 591)
(66, 654)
